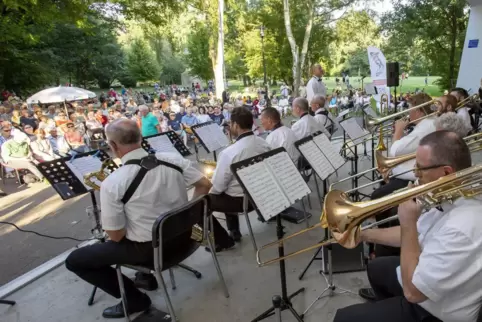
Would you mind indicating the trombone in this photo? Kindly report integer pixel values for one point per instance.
(345, 217)
(385, 164)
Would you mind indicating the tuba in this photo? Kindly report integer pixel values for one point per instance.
(345, 217)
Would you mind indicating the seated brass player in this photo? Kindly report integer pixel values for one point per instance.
(226, 194)
(128, 221)
(437, 276)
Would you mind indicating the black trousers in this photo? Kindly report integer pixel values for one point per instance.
(93, 265)
(382, 191)
(231, 207)
(391, 305)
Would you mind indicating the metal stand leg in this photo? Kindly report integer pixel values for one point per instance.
(92, 296)
(331, 289)
(318, 191)
(277, 307)
(300, 277)
(190, 269)
(166, 297)
(173, 280)
(7, 302)
(304, 212)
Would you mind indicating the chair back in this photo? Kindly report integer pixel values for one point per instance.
(171, 233)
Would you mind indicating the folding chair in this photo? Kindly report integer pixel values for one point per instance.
(172, 243)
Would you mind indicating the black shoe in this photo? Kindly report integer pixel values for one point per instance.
(220, 248)
(147, 282)
(117, 311)
(367, 294)
(235, 235)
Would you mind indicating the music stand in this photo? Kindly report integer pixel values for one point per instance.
(282, 185)
(165, 142)
(211, 137)
(7, 302)
(67, 180)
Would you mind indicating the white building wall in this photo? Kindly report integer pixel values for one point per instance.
(470, 72)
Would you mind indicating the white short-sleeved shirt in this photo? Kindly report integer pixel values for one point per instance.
(286, 138)
(323, 121)
(247, 145)
(463, 113)
(161, 190)
(306, 126)
(408, 144)
(449, 271)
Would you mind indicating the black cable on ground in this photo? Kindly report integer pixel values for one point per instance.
(39, 234)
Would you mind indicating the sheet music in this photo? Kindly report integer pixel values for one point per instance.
(212, 136)
(317, 160)
(264, 190)
(162, 143)
(345, 112)
(288, 176)
(329, 151)
(85, 165)
(353, 129)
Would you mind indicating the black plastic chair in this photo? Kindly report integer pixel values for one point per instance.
(172, 243)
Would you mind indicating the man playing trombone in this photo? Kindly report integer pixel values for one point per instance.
(404, 144)
(437, 276)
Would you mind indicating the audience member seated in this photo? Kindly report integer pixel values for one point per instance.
(16, 154)
(176, 126)
(41, 148)
(58, 143)
(189, 120)
(203, 117)
(28, 119)
(75, 139)
(217, 116)
(61, 119)
(15, 118)
(28, 129)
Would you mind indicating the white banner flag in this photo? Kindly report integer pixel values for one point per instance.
(378, 70)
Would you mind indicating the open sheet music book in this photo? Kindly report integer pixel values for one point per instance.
(85, 165)
(274, 183)
(211, 136)
(321, 155)
(161, 143)
(353, 129)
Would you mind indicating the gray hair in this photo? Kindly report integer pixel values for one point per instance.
(143, 107)
(319, 99)
(302, 103)
(123, 132)
(451, 122)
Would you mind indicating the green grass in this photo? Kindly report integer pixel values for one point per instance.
(236, 87)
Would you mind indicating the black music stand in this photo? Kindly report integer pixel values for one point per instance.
(68, 186)
(285, 298)
(203, 139)
(7, 302)
(172, 136)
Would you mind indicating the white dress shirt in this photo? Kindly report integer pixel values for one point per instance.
(306, 126)
(449, 270)
(408, 144)
(162, 189)
(323, 121)
(315, 86)
(246, 146)
(463, 113)
(286, 138)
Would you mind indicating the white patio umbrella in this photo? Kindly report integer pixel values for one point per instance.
(60, 94)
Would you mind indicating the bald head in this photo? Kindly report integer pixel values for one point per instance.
(123, 132)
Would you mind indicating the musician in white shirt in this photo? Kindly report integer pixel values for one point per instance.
(306, 125)
(315, 84)
(402, 145)
(322, 115)
(128, 222)
(226, 194)
(280, 136)
(463, 112)
(438, 275)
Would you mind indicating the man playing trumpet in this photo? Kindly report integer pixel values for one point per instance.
(437, 276)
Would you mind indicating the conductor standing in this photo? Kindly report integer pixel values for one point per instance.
(315, 84)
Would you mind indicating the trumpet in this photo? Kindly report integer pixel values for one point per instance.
(345, 217)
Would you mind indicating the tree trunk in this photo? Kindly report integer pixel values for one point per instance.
(306, 42)
(453, 45)
(245, 83)
(250, 81)
(219, 70)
